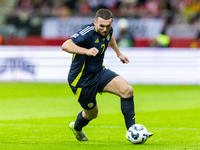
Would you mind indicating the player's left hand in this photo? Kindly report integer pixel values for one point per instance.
(123, 58)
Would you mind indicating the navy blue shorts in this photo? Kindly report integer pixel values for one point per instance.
(87, 95)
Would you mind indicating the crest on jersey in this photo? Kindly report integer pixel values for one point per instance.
(108, 37)
(90, 105)
(75, 35)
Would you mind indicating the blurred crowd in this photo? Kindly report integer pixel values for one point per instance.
(27, 15)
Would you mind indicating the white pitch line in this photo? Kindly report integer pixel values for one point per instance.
(175, 128)
(115, 127)
(33, 125)
(159, 128)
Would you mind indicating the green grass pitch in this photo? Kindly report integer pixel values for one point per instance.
(35, 116)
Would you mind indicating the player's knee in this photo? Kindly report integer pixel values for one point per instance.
(90, 115)
(127, 91)
(93, 116)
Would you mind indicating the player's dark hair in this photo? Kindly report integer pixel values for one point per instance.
(104, 14)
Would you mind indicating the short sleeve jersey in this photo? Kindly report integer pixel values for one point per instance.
(85, 70)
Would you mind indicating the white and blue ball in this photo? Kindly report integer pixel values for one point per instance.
(137, 134)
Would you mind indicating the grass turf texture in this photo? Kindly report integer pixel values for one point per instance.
(36, 116)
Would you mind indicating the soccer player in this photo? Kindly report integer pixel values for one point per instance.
(87, 74)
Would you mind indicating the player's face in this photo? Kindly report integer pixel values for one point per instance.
(103, 26)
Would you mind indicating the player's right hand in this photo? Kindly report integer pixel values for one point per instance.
(92, 51)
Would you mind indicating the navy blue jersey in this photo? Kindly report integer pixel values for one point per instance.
(85, 70)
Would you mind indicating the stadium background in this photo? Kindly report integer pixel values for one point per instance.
(24, 18)
(33, 31)
(36, 103)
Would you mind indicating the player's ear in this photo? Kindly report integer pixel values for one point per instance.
(94, 21)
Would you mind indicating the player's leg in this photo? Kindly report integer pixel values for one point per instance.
(87, 101)
(83, 118)
(120, 87)
(91, 113)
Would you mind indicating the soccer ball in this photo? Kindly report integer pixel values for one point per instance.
(137, 134)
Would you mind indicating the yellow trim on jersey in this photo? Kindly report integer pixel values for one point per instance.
(73, 57)
(74, 83)
(78, 93)
(95, 28)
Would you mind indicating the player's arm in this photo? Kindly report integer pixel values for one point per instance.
(70, 47)
(114, 46)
